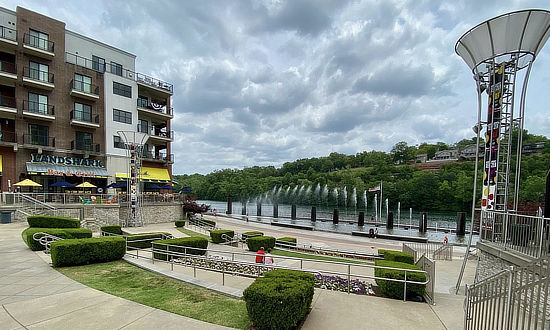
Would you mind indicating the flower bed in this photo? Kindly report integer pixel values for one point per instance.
(337, 283)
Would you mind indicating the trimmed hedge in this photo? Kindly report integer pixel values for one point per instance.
(209, 222)
(290, 274)
(66, 233)
(392, 255)
(249, 234)
(73, 252)
(180, 223)
(255, 243)
(216, 235)
(50, 221)
(395, 289)
(278, 302)
(183, 245)
(112, 229)
(144, 239)
(287, 241)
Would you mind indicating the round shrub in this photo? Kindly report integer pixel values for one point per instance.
(72, 252)
(50, 221)
(255, 243)
(250, 234)
(180, 223)
(278, 303)
(216, 235)
(111, 229)
(181, 245)
(65, 233)
(290, 274)
(286, 241)
(392, 255)
(395, 289)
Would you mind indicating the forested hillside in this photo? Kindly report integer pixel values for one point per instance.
(449, 188)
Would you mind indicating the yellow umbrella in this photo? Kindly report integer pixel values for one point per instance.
(27, 183)
(85, 185)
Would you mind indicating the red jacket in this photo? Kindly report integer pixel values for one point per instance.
(260, 256)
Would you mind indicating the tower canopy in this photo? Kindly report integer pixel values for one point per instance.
(520, 35)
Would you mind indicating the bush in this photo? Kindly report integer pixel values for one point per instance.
(65, 233)
(255, 243)
(144, 240)
(395, 289)
(49, 221)
(290, 274)
(111, 229)
(278, 302)
(391, 255)
(249, 234)
(216, 235)
(287, 241)
(180, 223)
(209, 222)
(183, 245)
(72, 252)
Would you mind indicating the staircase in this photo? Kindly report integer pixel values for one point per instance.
(31, 206)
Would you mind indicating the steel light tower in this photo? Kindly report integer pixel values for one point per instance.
(500, 52)
(134, 143)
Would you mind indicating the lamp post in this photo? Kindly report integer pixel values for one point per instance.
(134, 143)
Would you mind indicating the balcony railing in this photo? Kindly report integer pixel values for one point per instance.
(141, 103)
(84, 87)
(7, 101)
(84, 116)
(84, 146)
(168, 135)
(145, 79)
(37, 42)
(7, 136)
(38, 108)
(7, 33)
(39, 140)
(8, 67)
(38, 75)
(163, 157)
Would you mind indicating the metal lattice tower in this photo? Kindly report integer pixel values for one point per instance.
(500, 52)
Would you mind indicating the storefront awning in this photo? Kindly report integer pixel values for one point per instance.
(149, 174)
(68, 170)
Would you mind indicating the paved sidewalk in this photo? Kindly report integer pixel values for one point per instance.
(34, 295)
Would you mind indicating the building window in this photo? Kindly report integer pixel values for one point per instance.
(82, 83)
(143, 126)
(84, 141)
(98, 63)
(83, 112)
(122, 116)
(38, 71)
(38, 135)
(38, 39)
(118, 142)
(122, 90)
(142, 102)
(38, 103)
(116, 68)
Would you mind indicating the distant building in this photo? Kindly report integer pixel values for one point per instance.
(469, 152)
(451, 154)
(421, 158)
(533, 148)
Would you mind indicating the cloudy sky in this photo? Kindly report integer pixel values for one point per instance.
(262, 82)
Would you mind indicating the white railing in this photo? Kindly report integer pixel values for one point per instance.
(83, 197)
(435, 251)
(525, 234)
(45, 240)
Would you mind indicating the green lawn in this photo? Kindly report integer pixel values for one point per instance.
(191, 233)
(129, 282)
(286, 253)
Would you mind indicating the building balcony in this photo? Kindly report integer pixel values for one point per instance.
(8, 37)
(8, 138)
(155, 110)
(154, 84)
(156, 135)
(83, 146)
(39, 140)
(38, 110)
(84, 90)
(38, 46)
(8, 107)
(160, 158)
(8, 73)
(79, 118)
(38, 79)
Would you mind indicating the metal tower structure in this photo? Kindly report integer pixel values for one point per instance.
(134, 143)
(500, 52)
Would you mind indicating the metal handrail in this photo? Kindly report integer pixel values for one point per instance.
(80, 86)
(45, 240)
(8, 33)
(38, 108)
(9, 67)
(79, 116)
(8, 101)
(38, 75)
(34, 41)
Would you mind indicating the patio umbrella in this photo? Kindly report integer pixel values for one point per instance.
(63, 184)
(85, 185)
(186, 189)
(166, 187)
(112, 185)
(154, 186)
(27, 183)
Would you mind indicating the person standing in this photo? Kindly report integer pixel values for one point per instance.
(260, 256)
(247, 217)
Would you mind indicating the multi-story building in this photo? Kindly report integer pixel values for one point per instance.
(64, 97)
